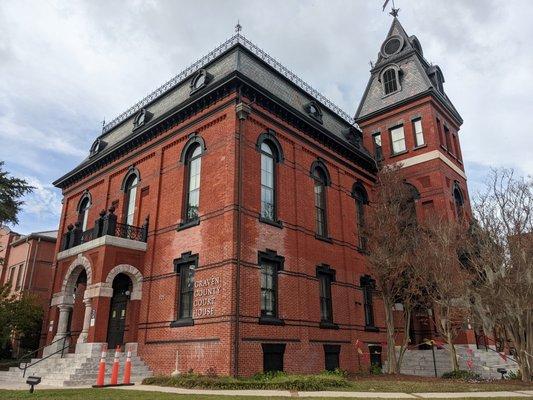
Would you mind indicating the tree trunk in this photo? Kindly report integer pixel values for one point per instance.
(391, 344)
(453, 353)
(405, 342)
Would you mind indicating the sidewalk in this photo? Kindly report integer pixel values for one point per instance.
(361, 395)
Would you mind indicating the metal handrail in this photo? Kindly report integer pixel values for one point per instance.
(25, 356)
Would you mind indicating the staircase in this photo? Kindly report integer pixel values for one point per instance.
(485, 362)
(75, 370)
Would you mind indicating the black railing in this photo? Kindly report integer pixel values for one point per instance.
(29, 355)
(106, 224)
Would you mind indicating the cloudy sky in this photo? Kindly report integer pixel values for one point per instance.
(67, 65)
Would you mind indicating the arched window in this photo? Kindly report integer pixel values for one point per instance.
(83, 211)
(321, 178)
(268, 182)
(130, 194)
(193, 163)
(458, 201)
(361, 199)
(390, 81)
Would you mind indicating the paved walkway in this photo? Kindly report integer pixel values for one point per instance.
(286, 393)
(363, 395)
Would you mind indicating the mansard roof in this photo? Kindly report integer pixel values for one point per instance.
(418, 76)
(235, 59)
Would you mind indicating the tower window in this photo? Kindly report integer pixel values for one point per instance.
(83, 211)
(378, 151)
(390, 82)
(367, 285)
(268, 193)
(458, 201)
(419, 134)
(321, 180)
(398, 140)
(130, 192)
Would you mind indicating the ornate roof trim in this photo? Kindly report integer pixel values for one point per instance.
(234, 40)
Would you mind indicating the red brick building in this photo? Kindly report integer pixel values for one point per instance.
(214, 226)
(27, 268)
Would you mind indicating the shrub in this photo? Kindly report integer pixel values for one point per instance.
(375, 370)
(270, 380)
(462, 374)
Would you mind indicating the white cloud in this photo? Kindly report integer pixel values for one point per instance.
(44, 201)
(64, 66)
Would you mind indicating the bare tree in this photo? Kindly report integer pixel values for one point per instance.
(501, 255)
(440, 250)
(391, 230)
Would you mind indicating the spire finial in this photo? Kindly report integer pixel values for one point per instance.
(103, 125)
(394, 11)
(238, 28)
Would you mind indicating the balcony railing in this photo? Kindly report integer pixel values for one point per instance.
(106, 224)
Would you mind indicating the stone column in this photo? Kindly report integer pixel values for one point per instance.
(62, 324)
(86, 321)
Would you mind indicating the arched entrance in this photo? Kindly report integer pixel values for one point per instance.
(122, 287)
(77, 314)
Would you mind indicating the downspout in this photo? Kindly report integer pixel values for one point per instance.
(242, 111)
(33, 263)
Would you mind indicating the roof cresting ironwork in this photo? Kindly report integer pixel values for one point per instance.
(238, 38)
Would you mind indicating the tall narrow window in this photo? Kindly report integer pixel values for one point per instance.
(390, 83)
(83, 212)
(321, 181)
(419, 134)
(378, 152)
(458, 201)
(193, 163)
(441, 133)
(361, 199)
(269, 263)
(398, 140)
(267, 182)
(367, 285)
(186, 290)
(185, 266)
(448, 139)
(130, 190)
(325, 276)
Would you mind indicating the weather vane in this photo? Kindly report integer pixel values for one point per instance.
(238, 27)
(394, 11)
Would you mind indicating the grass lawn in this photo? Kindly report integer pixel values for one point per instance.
(415, 384)
(113, 394)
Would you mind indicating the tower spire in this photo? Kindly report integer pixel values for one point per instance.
(394, 11)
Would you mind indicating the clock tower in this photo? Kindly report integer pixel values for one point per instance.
(407, 118)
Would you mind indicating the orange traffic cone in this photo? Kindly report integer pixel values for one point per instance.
(114, 371)
(101, 370)
(127, 369)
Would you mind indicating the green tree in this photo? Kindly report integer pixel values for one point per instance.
(20, 317)
(11, 191)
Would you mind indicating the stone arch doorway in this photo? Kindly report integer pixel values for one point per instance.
(77, 314)
(122, 289)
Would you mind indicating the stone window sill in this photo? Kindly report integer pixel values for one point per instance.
(328, 325)
(269, 320)
(399, 153)
(324, 238)
(422, 146)
(371, 329)
(276, 223)
(182, 322)
(188, 224)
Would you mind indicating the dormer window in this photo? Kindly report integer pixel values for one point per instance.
(200, 80)
(314, 111)
(96, 147)
(390, 81)
(141, 118)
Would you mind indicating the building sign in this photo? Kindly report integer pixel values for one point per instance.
(206, 292)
